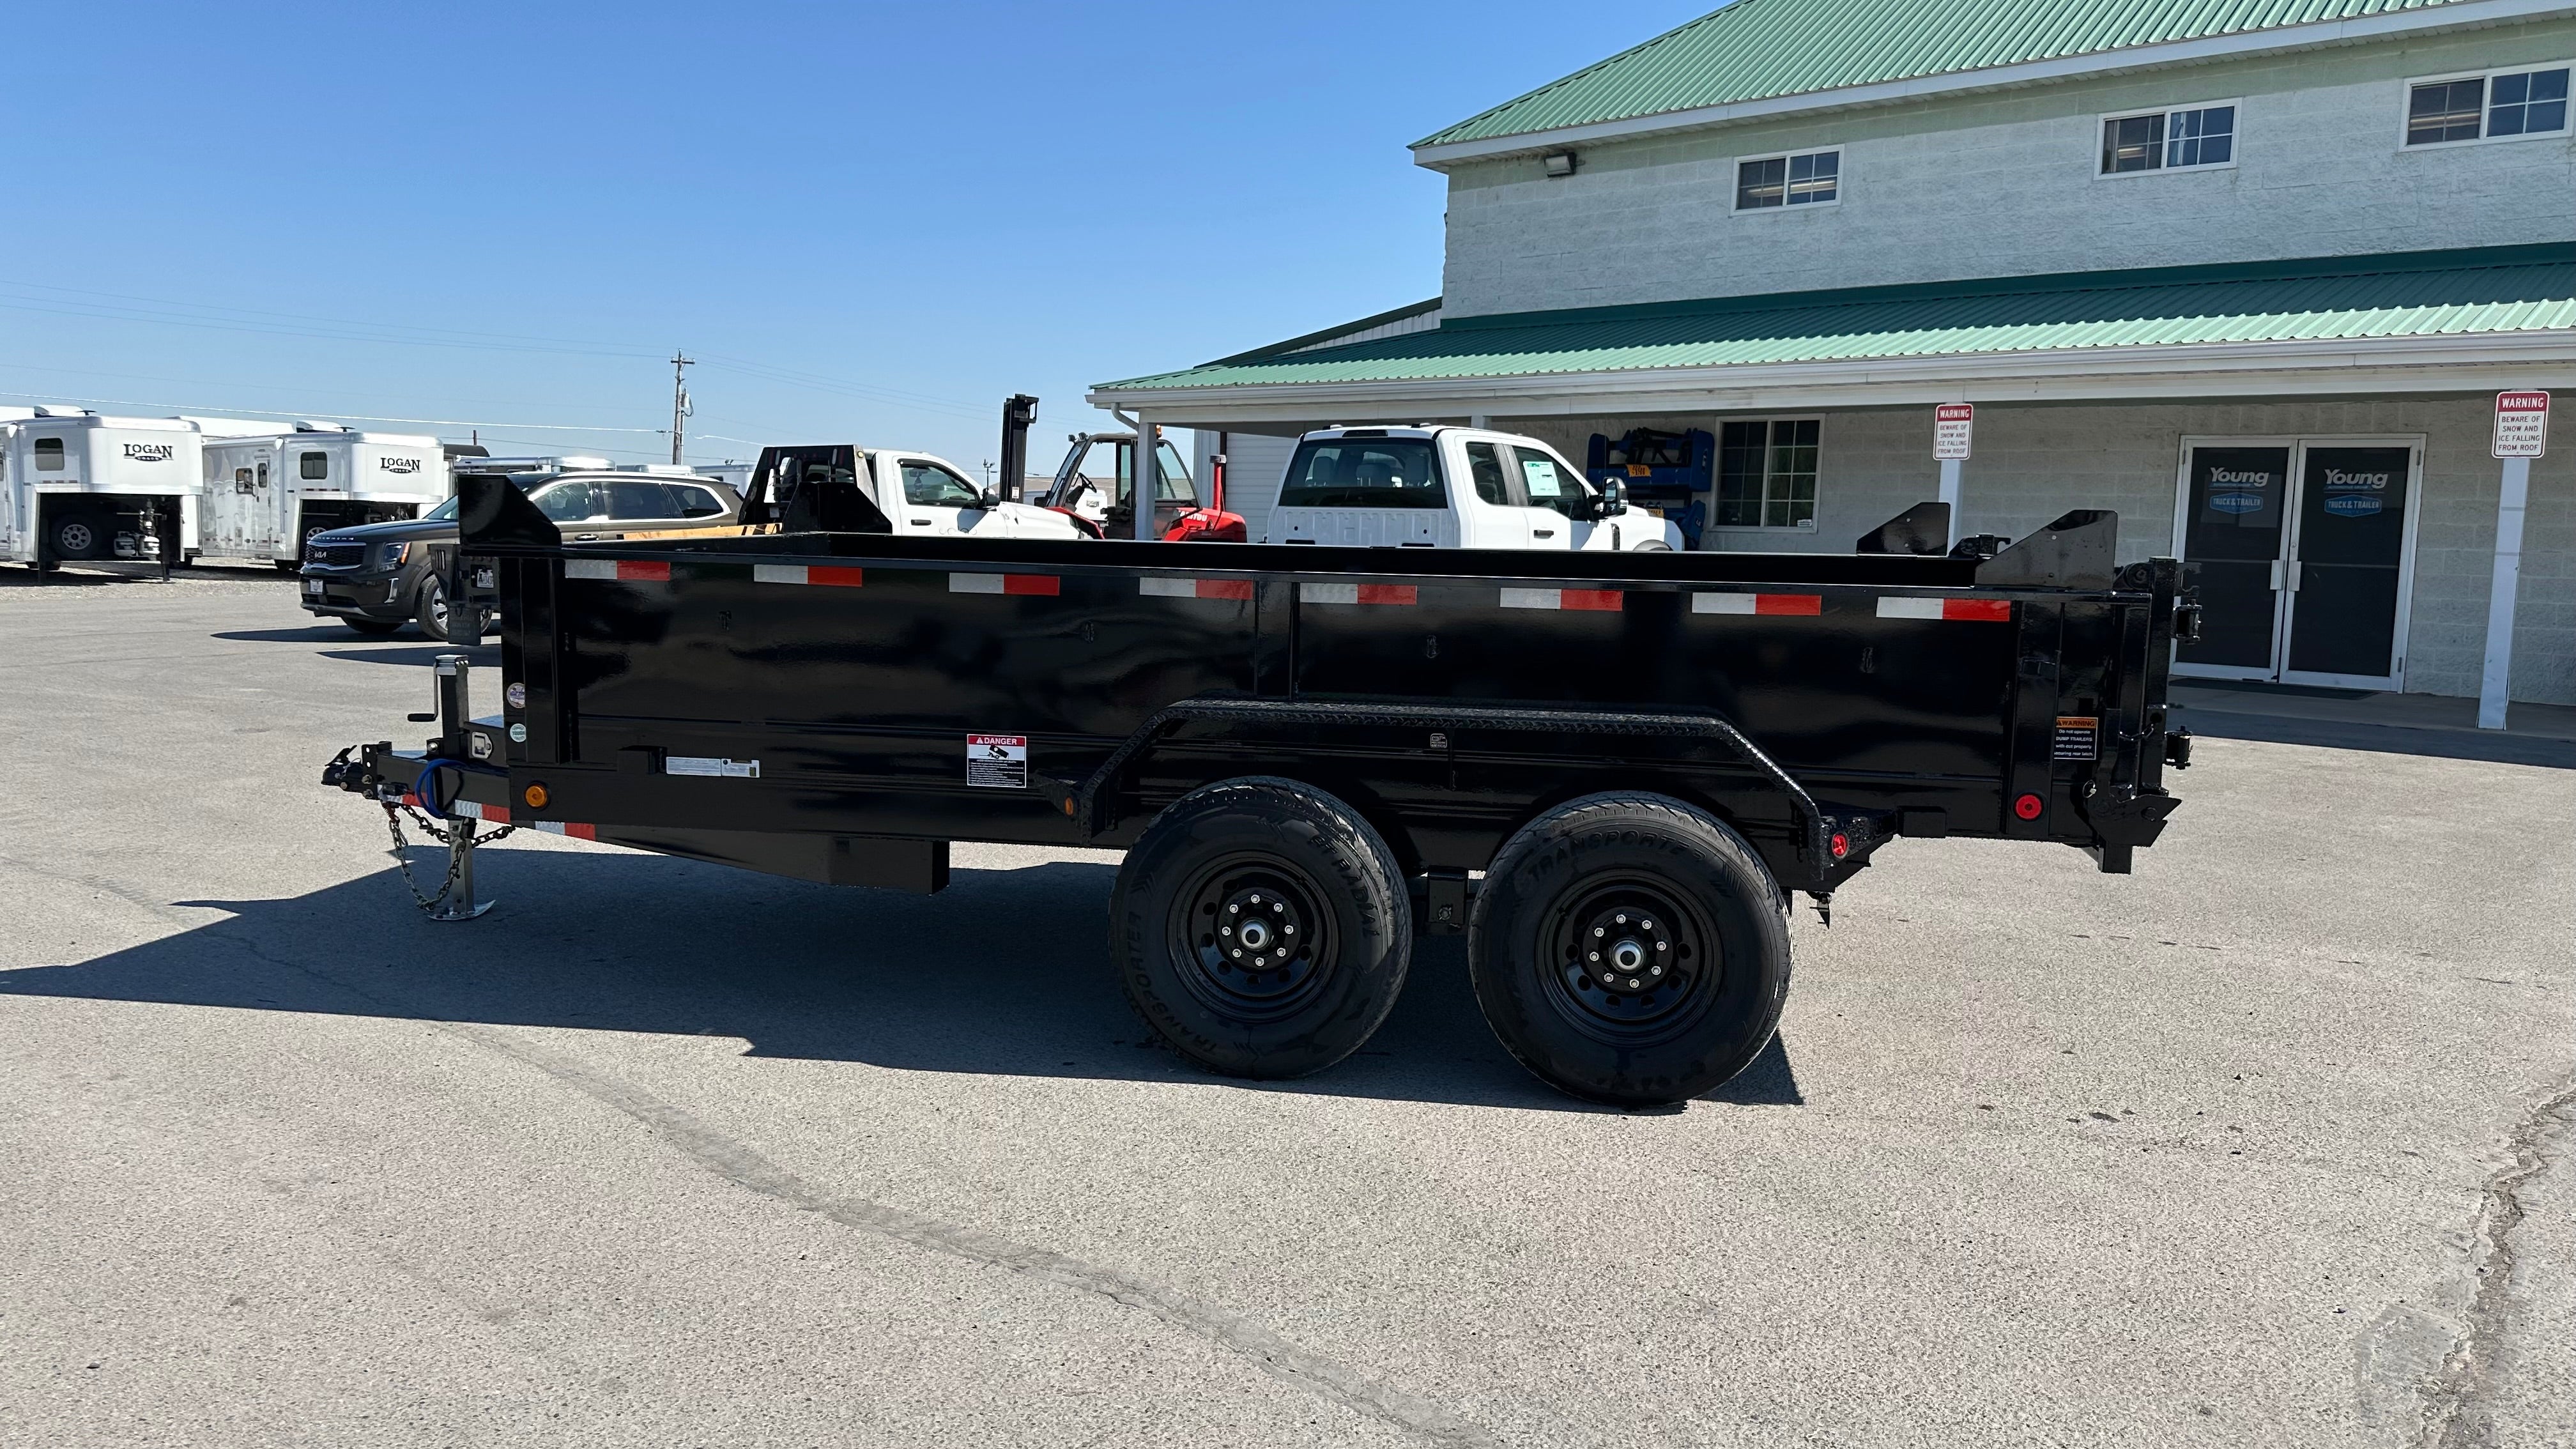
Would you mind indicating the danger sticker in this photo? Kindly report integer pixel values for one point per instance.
(997, 762)
(2079, 737)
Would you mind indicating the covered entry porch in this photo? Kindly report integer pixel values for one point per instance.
(2311, 436)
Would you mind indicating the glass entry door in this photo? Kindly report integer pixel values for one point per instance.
(2347, 565)
(2299, 550)
(2236, 531)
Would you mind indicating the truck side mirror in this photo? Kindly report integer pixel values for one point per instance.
(1614, 498)
(988, 499)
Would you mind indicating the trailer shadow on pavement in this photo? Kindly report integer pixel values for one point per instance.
(1006, 973)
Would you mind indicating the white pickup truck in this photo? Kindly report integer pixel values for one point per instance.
(1451, 488)
(917, 494)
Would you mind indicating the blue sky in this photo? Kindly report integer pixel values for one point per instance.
(872, 221)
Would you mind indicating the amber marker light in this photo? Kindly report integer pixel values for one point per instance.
(536, 797)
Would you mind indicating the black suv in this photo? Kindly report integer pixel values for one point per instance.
(377, 577)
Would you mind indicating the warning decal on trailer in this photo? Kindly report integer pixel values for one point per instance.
(998, 762)
(2079, 737)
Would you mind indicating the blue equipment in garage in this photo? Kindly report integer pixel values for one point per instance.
(1670, 473)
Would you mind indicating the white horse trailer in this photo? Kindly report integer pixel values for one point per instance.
(76, 487)
(267, 493)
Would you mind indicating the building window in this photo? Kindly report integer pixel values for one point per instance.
(2491, 107)
(1766, 473)
(2169, 140)
(49, 455)
(1805, 178)
(312, 466)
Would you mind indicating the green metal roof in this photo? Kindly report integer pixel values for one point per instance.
(1761, 49)
(2411, 294)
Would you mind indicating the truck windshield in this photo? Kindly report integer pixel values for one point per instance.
(443, 513)
(1363, 473)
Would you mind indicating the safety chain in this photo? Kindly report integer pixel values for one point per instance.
(402, 848)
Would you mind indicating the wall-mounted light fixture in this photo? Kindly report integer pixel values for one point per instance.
(1558, 163)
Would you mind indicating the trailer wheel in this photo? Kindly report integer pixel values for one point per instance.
(80, 536)
(1630, 949)
(1261, 927)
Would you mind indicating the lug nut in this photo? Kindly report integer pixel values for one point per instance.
(1225, 930)
(1634, 983)
(1660, 946)
(1287, 930)
(1654, 970)
(1278, 905)
(1597, 930)
(1238, 955)
(1256, 900)
(1234, 910)
(1623, 918)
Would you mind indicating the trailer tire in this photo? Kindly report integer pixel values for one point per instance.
(80, 536)
(1679, 895)
(1307, 866)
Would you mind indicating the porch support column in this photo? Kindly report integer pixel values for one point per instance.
(1149, 476)
(2495, 682)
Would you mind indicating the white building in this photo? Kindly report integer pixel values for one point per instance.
(2250, 274)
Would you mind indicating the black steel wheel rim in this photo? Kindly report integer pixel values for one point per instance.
(1628, 960)
(1251, 939)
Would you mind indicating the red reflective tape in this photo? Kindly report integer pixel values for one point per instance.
(1788, 603)
(1386, 593)
(1047, 584)
(582, 832)
(1990, 611)
(639, 571)
(496, 815)
(410, 799)
(1225, 588)
(837, 575)
(1608, 601)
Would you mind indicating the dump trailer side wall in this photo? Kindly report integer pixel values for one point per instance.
(855, 679)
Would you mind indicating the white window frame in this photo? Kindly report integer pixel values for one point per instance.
(2234, 152)
(2406, 105)
(1766, 420)
(1735, 181)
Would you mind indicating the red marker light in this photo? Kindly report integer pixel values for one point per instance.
(2028, 807)
(1842, 845)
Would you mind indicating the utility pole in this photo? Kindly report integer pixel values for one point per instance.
(679, 403)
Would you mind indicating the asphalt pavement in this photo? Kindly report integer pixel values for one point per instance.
(2265, 1144)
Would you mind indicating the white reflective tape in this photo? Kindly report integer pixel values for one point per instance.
(1890, 607)
(1169, 588)
(1722, 603)
(466, 808)
(976, 584)
(1533, 598)
(778, 573)
(717, 768)
(590, 568)
(1330, 593)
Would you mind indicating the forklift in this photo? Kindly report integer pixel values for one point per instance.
(1095, 486)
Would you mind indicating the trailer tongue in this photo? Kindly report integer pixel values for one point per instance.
(1610, 771)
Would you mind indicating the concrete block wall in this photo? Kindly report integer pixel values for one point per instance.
(2035, 461)
(2006, 184)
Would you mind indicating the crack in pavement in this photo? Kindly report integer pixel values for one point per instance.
(1272, 1354)
(2457, 1415)
(710, 1149)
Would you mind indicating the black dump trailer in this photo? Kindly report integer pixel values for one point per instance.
(1610, 771)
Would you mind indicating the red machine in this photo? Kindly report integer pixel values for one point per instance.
(1104, 501)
